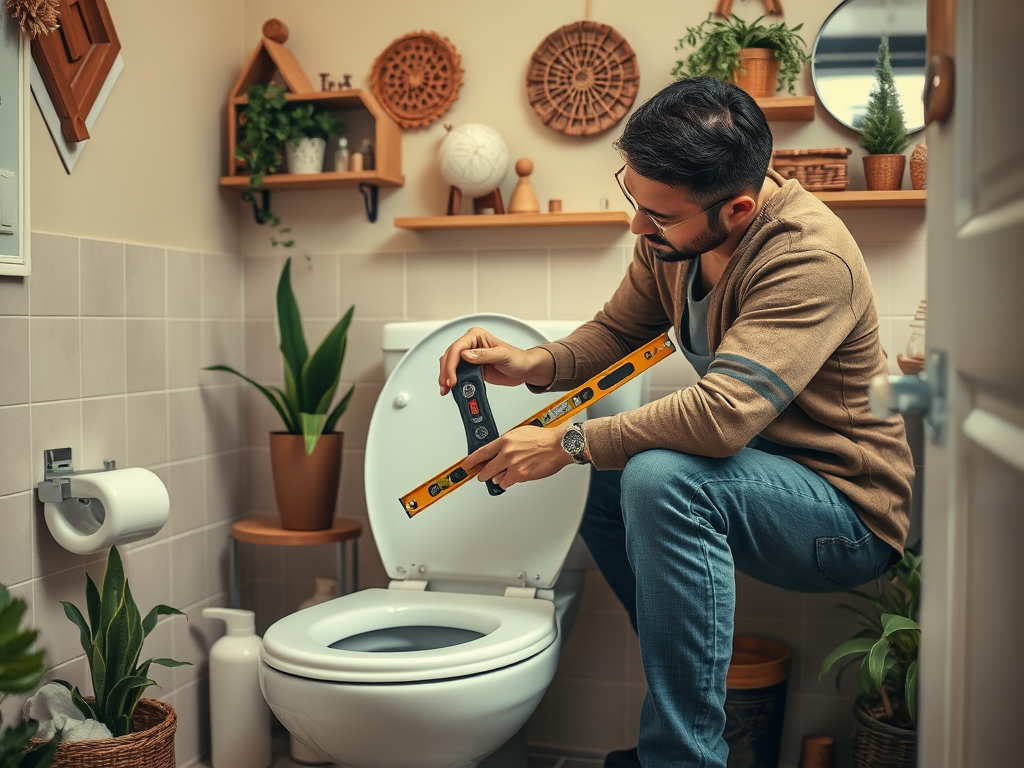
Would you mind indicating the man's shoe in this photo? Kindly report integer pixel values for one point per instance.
(622, 758)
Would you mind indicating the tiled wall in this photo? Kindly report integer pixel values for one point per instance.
(594, 703)
(100, 350)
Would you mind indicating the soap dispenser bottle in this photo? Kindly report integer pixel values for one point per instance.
(239, 715)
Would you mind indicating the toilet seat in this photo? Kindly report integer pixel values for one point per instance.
(513, 629)
(519, 538)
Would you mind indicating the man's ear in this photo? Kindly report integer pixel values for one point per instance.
(738, 208)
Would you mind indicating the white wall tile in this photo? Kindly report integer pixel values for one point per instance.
(514, 282)
(14, 294)
(102, 278)
(373, 283)
(184, 297)
(188, 496)
(16, 543)
(103, 357)
(147, 429)
(183, 353)
(104, 433)
(187, 424)
(315, 285)
(53, 285)
(145, 281)
(14, 372)
(441, 284)
(55, 361)
(146, 348)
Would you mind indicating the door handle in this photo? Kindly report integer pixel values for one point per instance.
(939, 88)
(924, 393)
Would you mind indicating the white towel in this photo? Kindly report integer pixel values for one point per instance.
(53, 708)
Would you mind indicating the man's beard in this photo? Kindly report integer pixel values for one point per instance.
(708, 240)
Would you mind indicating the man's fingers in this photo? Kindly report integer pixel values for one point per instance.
(481, 456)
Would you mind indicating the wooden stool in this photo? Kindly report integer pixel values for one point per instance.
(268, 530)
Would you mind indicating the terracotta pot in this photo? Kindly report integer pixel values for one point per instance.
(758, 73)
(151, 745)
(306, 487)
(919, 167)
(884, 172)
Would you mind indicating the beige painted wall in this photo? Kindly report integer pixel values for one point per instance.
(147, 174)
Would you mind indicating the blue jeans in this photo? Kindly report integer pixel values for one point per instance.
(669, 532)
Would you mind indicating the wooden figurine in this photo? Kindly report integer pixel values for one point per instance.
(524, 199)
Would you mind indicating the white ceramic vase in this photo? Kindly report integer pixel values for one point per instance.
(307, 156)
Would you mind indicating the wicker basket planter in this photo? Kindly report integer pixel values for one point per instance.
(758, 72)
(152, 744)
(817, 170)
(879, 745)
(884, 172)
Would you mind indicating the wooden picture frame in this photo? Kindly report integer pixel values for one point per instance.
(74, 62)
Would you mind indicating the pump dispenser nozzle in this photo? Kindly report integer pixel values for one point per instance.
(241, 623)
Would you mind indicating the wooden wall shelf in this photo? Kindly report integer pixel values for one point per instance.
(900, 198)
(325, 180)
(583, 219)
(787, 107)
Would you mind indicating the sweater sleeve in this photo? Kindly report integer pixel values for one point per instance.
(793, 312)
(633, 316)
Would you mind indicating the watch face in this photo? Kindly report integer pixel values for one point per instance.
(573, 441)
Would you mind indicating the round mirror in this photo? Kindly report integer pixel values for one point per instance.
(846, 51)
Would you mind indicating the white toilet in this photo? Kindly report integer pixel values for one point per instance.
(444, 666)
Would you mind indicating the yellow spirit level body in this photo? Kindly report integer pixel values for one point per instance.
(610, 379)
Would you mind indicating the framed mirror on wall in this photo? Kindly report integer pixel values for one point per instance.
(846, 51)
(15, 239)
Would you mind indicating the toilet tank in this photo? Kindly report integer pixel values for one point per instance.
(398, 338)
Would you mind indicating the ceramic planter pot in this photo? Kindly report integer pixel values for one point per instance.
(884, 172)
(152, 744)
(758, 73)
(306, 487)
(307, 156)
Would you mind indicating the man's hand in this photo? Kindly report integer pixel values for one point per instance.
(524, 453)
(502, 363)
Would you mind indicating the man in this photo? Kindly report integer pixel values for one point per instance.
(772, 464)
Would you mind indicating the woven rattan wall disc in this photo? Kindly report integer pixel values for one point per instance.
(417, 78)
(582, 79)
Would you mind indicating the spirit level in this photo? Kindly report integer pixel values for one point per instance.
(561, 410)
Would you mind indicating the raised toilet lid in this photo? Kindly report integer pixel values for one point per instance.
(518, 538)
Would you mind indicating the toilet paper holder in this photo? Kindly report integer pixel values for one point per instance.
(57, 473)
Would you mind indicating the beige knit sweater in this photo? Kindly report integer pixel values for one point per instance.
(793, 330)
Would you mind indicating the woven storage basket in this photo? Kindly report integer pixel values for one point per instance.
(884, 172)
(879, 745)
(758, 72)
(151, 746)
(817, 170)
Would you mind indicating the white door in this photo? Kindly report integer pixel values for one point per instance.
(972, 660)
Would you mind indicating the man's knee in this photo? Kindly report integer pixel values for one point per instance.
(659, 487)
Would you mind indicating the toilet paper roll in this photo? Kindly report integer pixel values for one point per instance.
(106, 508)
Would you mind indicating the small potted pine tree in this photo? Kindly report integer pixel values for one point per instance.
(884, 131)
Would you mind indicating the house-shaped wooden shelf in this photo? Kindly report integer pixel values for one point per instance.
(361, 113)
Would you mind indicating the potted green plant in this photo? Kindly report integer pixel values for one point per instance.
(112, 637)
(758, 58)
(885, 715)
(306, 457)
(883, 129)
(21, 669)
(309, 128)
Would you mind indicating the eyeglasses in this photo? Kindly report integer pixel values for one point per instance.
(658, 225)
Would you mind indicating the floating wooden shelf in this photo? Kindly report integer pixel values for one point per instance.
(325, 180)
(787, 107)
(595, 218)
(900, 198)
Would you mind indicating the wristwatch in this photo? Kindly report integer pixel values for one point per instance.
(574, 442)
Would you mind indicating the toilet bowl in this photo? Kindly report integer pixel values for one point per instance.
(446, 664)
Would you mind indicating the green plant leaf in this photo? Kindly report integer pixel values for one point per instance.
(41, 756)
(92, 605)
(847, 648)
(892, 624)
(312, 428)
(10, 618)
(910, 691)
(119, 701)
(877, 660)
(291, 406)
(264, 390)
(322, 371)
(154, 615)
(98, 670)
(339, 409)
(84, 634)
(170, 663)
(87, 710)
(293, 342)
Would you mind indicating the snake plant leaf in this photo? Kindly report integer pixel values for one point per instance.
(322, 371)
(98, 667)
(293, 342)
(293, 423)
(154, 615)
(910, 692)
(312, 427)
(266, 392)
(111, 595)
(859, 645)
(291, 393)
(92, 603)
(339, 409)
(85, 635)
(169, 663)
(118, 701)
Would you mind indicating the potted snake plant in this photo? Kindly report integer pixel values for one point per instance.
(306, 457)
(758, 58)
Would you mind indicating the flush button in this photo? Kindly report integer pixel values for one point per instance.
(401, 400)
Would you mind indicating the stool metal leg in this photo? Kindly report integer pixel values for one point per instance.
(234, 593)
(341, 568)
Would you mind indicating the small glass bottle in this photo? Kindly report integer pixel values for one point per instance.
(368, 155)
(916, 343)
(341, 156)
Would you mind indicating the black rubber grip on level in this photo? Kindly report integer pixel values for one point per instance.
(470, 393)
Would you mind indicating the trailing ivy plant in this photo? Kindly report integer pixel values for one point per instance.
(112, 639)
(21, 669)
(887, 646)
(265, 128)
(311, 380)
(884, 129)
(718, 43)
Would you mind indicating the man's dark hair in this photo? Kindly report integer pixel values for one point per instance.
(702, 134)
